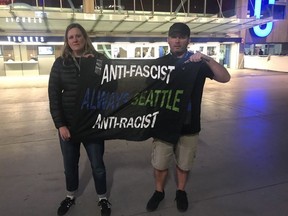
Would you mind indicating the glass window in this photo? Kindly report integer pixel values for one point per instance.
(211, 50)
(144, 52)
(138, 52)
(119, 52)
(122, 53)
(8, 53)
(105, 49)
(248, 49)
(31, 53)
(163, 50)
(148, 52)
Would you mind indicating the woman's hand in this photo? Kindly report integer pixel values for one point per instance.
(64, 133)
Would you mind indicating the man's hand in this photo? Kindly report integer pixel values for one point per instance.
(197, 57)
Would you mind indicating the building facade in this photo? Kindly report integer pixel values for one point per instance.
(31, 32)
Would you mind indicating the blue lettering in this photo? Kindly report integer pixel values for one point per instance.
(86, 99)
(102, 100)
(262, 32)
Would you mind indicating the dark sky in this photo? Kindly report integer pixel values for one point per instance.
(197, 6)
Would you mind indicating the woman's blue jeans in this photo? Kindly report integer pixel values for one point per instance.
(71, 154)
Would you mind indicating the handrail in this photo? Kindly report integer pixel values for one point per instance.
(183, 6)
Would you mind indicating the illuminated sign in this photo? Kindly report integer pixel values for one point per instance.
(20, 39)
(258, 30)
(24, 19)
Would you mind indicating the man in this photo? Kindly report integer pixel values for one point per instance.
(261, 52)
(184, 151)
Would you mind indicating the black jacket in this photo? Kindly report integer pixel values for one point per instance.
(62, 89)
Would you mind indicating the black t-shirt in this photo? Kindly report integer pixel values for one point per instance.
(201, 71)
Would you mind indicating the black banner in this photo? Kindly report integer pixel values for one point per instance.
(132, 99)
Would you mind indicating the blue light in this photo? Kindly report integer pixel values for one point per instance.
(257, 13)
(263, 32)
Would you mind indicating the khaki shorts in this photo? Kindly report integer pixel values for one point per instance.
(183, 152)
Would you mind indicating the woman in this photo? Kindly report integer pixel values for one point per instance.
(62, 92)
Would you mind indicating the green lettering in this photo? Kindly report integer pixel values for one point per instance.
(149, 99)
(176, 100)
(142, 98)
(164, 93)
(168, 100)
(135, 99)
(157, 92)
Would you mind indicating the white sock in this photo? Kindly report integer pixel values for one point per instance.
(70, 196)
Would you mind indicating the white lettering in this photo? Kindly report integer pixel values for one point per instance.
(145, 121)
(19, 39)
(115, 72)
(105, 75)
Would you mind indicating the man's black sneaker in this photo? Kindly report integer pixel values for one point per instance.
(154, 201)
(65, 206)
(181, 200)
(105, 207)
